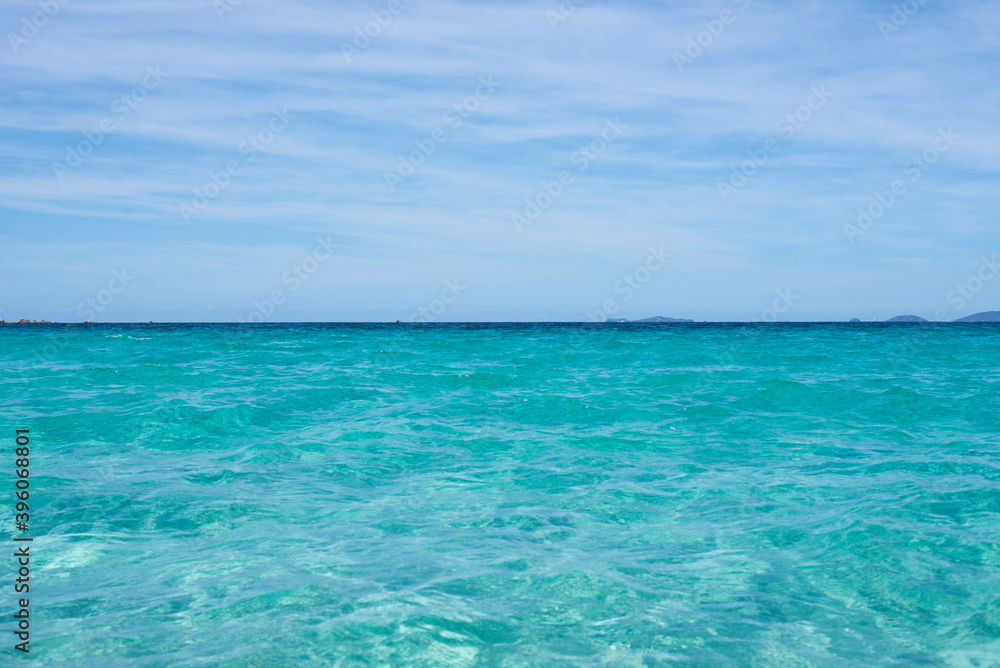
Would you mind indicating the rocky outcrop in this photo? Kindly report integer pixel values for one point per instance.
(907, 318)
(25, 321)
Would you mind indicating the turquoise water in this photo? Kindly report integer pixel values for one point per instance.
(509, 495)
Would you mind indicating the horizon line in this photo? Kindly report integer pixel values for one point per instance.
(513, 322)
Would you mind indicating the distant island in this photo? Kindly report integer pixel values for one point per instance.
(985, 316)
(655, 318)
(907, 318)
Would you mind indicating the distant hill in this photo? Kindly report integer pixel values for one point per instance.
(655, 318)
(907, 318)
(660, 318)
(985, 316)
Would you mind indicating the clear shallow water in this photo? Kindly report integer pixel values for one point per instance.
(513, 495)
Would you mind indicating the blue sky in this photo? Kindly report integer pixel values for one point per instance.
(383, 179)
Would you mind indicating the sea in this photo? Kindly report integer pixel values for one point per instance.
(505, 494)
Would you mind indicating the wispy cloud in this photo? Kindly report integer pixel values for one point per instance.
(354, 117)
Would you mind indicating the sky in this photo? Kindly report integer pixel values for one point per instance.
(266, 161)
